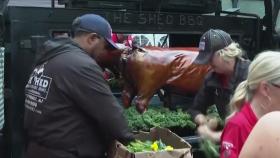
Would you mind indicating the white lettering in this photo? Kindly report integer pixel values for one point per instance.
(152, 19)
(191, 20)
(42, 89)
(199, 20)
(45, 83)
(169, 19)
(160, 19)
(37, 80)
(117, 18)
(126, 18)
(182, 20)
(31, 97)
(31, 103)
(30, 80)
(142, 19)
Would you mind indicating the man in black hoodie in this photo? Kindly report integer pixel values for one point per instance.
(70, 111)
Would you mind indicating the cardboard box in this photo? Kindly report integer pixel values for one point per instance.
(182, 149)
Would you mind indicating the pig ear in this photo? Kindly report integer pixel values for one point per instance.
(121, 46)
(138, 48)
(135, 46)
(141, 49)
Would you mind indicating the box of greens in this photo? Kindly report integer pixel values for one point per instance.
(158, 143)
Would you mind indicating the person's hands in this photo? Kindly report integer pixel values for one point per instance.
(206, 133)
(212, 123)
(200, 119)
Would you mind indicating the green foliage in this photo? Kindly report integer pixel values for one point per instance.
(139, 146)
(210, 149)
(158, 117)
(115, 83)
(213, 112)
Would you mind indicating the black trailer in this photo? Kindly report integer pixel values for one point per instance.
(24, 27)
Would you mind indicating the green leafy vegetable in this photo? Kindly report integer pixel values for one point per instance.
(139, 146)
(115, 83)
(158, 117)
(210, 149)
(213, 112)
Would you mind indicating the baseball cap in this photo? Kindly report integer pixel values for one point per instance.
(96, 24)
(210, 42)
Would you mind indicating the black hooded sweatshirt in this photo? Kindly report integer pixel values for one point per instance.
(69, 107)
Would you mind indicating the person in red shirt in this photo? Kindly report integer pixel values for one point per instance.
(259, 146)
(253, 98)
(125, 39)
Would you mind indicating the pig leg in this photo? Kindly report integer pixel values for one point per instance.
(145, 92)
(143, 98)
(142, 103)
(127, 96)
(165, 97)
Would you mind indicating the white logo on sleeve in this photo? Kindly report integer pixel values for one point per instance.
(227, 146)
(37, 89)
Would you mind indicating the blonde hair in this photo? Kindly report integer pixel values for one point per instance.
(265, 67)
(231, 51)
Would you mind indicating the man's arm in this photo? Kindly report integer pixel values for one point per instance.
(91, 92)
(202, 101)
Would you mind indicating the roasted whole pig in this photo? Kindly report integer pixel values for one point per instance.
(146, 70)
